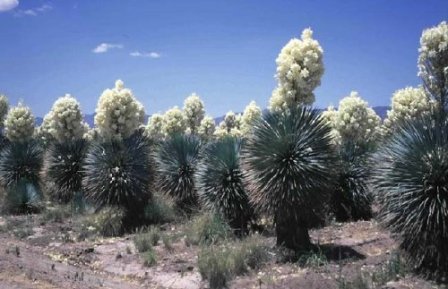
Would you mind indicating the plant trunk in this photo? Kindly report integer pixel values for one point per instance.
(292, 235)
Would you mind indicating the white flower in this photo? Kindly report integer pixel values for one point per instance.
(174, 121)
(231, 125)
(407, 103)
(433, 58)
(207, 127)
(4, 105)
(194, 112)
(353, 121)
(299, 71)
(154, 128)
(65, 120)
(19, 124)
(118, 113)
(251, 113)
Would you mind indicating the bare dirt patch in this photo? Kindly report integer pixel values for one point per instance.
(36, 254)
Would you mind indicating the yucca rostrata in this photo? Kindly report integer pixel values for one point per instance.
(120, 173)
(412, 185)
(176, 159)
(221, 184)
(289, 163)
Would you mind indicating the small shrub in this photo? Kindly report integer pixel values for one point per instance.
(149, 258)
(144, 241)
(255, 252)
(219, 264)
(312, 259)
(159, 211)
(154, 235)
(56, 214)
(109, 221)
(207, 229)
(392, 270)
(167, 242)
(215, 267)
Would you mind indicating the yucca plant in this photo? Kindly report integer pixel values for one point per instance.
(120, 173)
(289, 163)
(177, 158)
(64, 168)
(220, 183)
(412, 184)
(352, 199)
(20, 166)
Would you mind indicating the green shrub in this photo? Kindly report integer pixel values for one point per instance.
(249, 253)
(312, 259)
(109, 221)
(215, 267)
(412, 184)
(120, 173)
(149, 258)
(290, 164)
(144, 240)
(167, 242)
(219, 264)
(220, 183)
(177, 159)
(205, 229)
(159, 211)
(56, 213)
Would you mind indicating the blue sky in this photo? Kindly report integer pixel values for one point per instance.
(223, 50)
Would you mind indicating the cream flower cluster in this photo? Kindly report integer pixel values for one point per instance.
(19, 124)
(44, 131)
(154, 128)
(118, 113)
(66, 119)
(4, 105)
(407, 103)
(251, 113)
(231, 125)
(174, 121)
(207, 127)
(433, 55)
(353, 120)
(299, 71)
(194, 111)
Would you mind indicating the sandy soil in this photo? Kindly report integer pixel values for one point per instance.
(34, 254)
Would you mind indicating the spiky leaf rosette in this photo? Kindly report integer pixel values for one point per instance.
(64, 167)
(220, 182)
(176, 160)
(120, 173)
(20, 166)
(352, 199)
(289, 162)
(412, 184)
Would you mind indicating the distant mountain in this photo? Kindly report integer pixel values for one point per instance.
(89, 118)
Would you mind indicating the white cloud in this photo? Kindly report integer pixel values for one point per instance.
(104, 47)
(145, 54)
(34, 11)
(6, 5)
